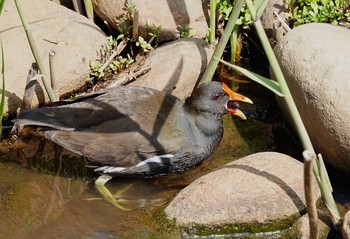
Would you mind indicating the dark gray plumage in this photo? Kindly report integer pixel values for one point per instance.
(137, 131)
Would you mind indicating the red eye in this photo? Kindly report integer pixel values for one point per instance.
(216, 96)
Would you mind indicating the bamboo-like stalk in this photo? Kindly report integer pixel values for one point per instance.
(296, 118)
(297, 121)
(326, 190)
(212, 23)
(309, 156)
(35, 52)
(53, 71)
(208, 74)
(135, 25)
(3, 90)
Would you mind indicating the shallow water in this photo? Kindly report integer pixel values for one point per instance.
(36, 205)
(39, 205)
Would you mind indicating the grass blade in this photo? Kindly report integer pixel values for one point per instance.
(35, 51)
(89, 9)
(269, 84)
(2, 2)
(209, 72)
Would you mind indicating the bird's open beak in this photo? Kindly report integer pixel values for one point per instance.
(232, 105)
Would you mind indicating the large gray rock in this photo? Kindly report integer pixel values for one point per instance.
(176, 66)
(74, 38)
(314, 61)
(167, 14)
(258, 189)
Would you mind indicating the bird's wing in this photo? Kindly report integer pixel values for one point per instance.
(116, 126)
(86, 112)
(122, 149)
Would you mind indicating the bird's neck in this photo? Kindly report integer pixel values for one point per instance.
(206, 131)
(205, 123)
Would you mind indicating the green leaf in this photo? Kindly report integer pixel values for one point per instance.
(314, 7)
(2, 2)
(312, 14)
(269, 84)
(89, 8)
(120, 36)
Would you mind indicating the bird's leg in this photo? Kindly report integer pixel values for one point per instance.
(106, 194)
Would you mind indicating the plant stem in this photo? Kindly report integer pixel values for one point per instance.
(89, 9)
(2, 2)
(35, 52)
(3, 91)
(135, 25)
(208, 74)
(309, 156)
(293, 111)
(53, 71)
(277, 71)
(233, 43)
(326, 191)
(212, 21)
(298, 123)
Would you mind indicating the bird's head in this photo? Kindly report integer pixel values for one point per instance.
(217, 98)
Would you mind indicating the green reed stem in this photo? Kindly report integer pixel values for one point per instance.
(3, 91)
(89, 9)
(212, 23)
(35, 52)
(296, 118)
(2, 2)
(209, 73)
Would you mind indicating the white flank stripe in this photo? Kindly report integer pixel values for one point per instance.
(113, 169)
(156, 159)
(100, 168)
(109, 169)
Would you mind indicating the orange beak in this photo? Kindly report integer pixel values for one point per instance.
(235, 97)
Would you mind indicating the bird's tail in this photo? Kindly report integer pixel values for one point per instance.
(42, 117)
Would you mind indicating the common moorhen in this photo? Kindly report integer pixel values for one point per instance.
(137, 131)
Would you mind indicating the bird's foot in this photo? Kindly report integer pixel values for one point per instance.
(115, 199)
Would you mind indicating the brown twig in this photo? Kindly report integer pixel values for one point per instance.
(53, 78)
(115, 53)
(125, 78)
(309, 196)
(135, 25)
